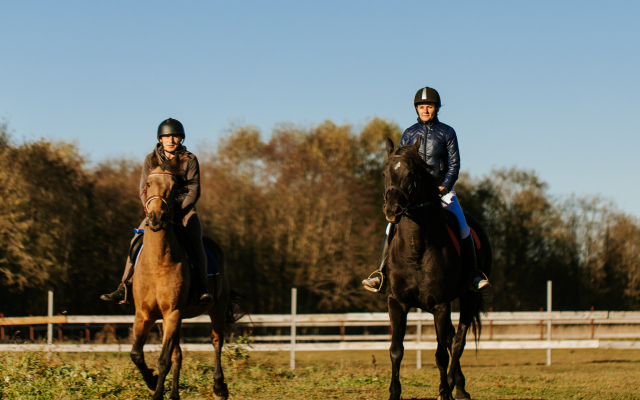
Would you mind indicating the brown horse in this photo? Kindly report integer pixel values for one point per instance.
(161, 287)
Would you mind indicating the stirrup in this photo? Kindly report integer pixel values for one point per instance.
(126, 295)
(484, 286)
(374, 290)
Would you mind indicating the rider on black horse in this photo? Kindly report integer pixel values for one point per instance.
(170, 137)
(439, 150)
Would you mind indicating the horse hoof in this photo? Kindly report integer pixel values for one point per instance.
(220, 391)
(152, 392)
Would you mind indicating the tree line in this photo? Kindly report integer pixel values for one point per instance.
(301, 208)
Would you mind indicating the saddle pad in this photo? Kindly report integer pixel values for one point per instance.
(476, 239)
(454, 239)
(454, 232)
(212, 264)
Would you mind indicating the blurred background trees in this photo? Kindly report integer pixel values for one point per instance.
(299, 208)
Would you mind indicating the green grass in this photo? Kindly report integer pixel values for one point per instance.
(579, 374)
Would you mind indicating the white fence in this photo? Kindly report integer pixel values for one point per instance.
(543, 323)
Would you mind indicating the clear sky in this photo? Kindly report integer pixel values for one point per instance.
(552, 86)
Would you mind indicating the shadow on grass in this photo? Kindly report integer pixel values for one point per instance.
(522, 398)
(613, 362)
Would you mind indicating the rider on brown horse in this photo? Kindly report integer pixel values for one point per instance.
(170, 137)
(440, 152)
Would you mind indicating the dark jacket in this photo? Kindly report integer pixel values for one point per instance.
(439, 149)
(190, 193)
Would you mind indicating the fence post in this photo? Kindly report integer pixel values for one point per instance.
(294, 301)
(419, 339)
(549, 322)
(592, 325)
(49, 324)
(1, 328)
(31, 334)
(541, 324)
(59, 332)
(491, 325)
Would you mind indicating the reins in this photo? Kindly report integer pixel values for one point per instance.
(157, 196)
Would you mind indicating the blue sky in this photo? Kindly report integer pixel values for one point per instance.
(545, 85)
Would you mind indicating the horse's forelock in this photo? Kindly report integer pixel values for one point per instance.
(174, 165)
(411, 153)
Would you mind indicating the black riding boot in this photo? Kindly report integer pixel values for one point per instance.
(120, 294)
(377, 283)
(203, 294)
(201, 285)
(478, 280)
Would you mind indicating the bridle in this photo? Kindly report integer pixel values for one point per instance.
(406, 195)
(157, 196)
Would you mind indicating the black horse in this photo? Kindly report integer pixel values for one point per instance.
(424, 268)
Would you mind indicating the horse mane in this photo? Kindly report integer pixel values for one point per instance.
(173, 165)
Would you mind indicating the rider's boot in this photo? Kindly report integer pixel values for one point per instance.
(202, 290)
(120, 295)
(376, 283)
(123, 294)
(478, 279)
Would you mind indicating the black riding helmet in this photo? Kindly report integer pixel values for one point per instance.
(427, 95)
(171, 126)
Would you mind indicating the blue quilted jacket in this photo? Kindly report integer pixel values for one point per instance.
(439, 149)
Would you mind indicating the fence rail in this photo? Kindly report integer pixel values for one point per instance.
(546, 322)
(356, 319)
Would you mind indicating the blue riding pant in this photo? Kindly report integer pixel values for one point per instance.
(450, 202)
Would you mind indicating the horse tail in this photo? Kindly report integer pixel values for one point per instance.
(238, 307)
(476, 321)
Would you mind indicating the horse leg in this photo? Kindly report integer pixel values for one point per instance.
(220, 390)
(442, 319)
(171, 338)
(468, 302)
(141, 329)
(398, 317)
(176, 364)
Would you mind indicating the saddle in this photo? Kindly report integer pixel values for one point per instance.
(212, 264)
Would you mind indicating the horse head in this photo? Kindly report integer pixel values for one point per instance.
(161, 188)
(406, 180)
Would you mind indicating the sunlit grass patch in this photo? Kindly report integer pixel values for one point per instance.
(578, 374)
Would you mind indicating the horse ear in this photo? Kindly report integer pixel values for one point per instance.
(416, 145)
(389, 146)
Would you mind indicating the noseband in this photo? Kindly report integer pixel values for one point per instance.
(406, 195)
(157, 196)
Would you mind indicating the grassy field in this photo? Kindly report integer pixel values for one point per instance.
(579, 374)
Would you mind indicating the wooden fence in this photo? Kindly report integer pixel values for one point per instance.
(539, 327)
